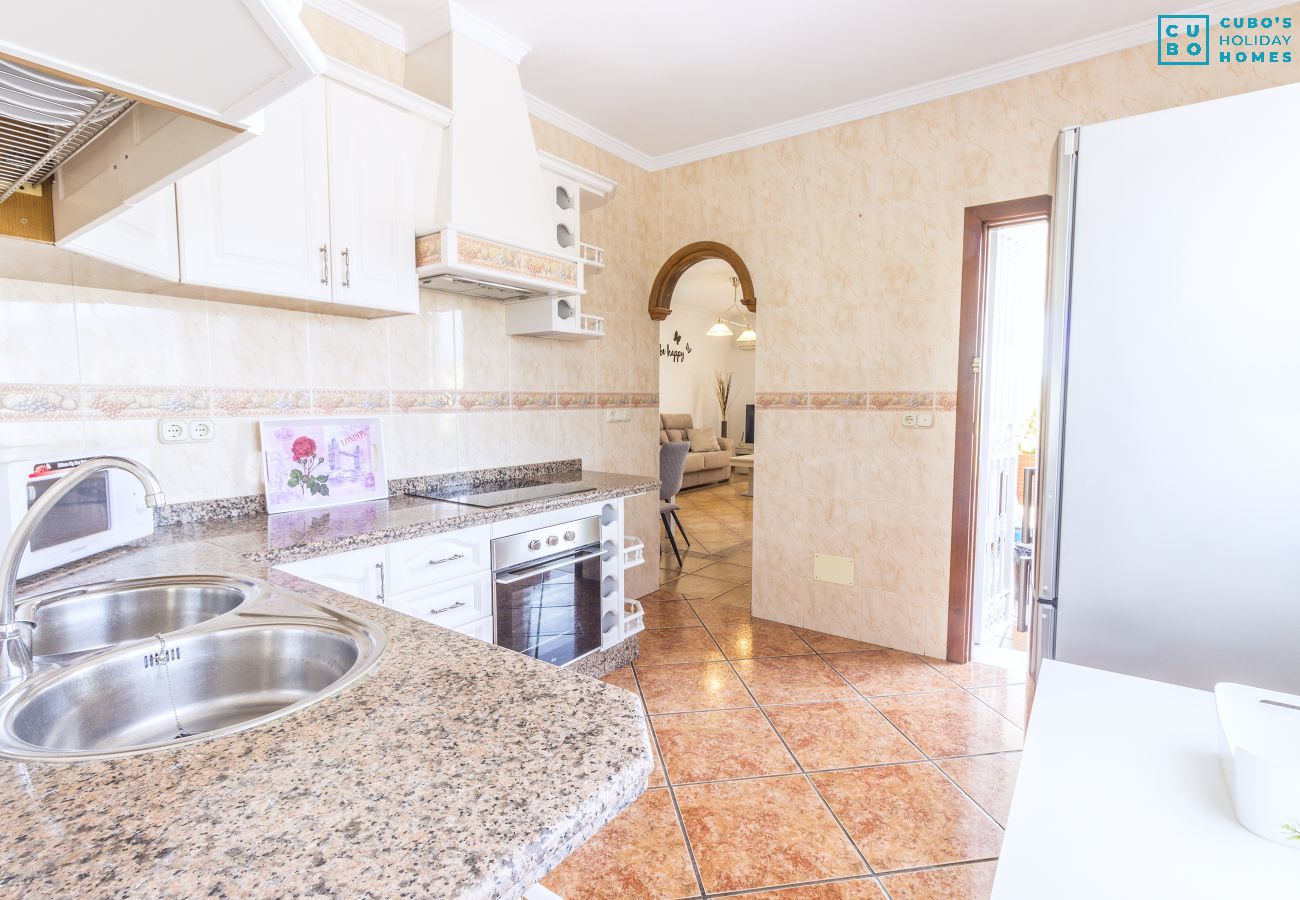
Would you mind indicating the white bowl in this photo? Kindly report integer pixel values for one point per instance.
(1259, 749)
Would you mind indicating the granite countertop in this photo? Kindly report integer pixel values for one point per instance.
(455, 769)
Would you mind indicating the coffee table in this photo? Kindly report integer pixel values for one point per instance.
(746, 463)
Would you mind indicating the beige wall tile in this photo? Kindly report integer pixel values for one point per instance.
(129, 339)
(39, 329)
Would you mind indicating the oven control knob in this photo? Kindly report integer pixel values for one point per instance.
(552, 540)
(534, 544)
(569, 535)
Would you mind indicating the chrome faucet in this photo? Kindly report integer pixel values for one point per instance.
(15, 636)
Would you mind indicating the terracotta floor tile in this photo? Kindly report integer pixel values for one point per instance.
(661, 595)
(742, 595)
(763, 832)
(668, 566)
(990, 780)
(657, 776)
(853, 889)
(753, 639)
(725, 571)
(669, 614)
(793, 679)
(691, 686)
(719, 612)
(696, 587)
(908, 815)
(743, 557)
(663, 646)
(876, 672)
(1008, 699)
(973, 881)
(975, 674)
(623, 678)
(639, 854)
(831, 643)
(712, 746)
(839, 734)
(950, 723)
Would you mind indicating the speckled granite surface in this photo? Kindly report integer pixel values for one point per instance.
(455, 769)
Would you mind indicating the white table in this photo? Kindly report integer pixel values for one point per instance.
(1120, 795)
(747, 463)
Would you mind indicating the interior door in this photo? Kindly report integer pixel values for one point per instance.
(372, 201)
(258, 218)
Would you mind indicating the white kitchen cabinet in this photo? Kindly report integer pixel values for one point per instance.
(372, 201)
(449, 604)
(258, 219)
(431, 560)
(356, 572)
(480, 628)
(141, 238)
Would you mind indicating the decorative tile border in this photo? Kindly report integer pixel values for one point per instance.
(70, 402)
(879, 401)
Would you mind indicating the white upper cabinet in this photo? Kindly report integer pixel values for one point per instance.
(258, 219)
(141, 238)
(372, 201)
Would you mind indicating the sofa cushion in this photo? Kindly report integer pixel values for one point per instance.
(663, 437)
(715, 459)
(702, 440)
(694, 462)
(675, 421)
(675, 435)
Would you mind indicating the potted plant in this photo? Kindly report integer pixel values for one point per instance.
(722, 389)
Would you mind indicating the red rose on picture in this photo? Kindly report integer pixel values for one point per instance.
(303, 447)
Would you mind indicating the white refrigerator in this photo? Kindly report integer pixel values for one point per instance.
(1169, 529)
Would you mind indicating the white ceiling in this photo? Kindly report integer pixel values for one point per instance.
(706, 286)
(676, 80)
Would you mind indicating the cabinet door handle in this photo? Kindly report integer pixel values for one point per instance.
(324, 264)
(446, 559)
(380, 595)
(347, 268)
(437, 612)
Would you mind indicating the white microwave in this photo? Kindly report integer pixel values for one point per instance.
(106, 510)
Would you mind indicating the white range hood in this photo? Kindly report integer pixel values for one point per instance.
(185, 82)
(493, 234)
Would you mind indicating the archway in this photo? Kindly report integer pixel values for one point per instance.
(661, 293)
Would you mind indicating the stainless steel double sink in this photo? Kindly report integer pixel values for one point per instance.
(130, 667)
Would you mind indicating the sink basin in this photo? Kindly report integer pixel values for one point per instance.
(274, 654)
(104, 615)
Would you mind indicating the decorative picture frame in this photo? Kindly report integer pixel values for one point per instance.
(309, 463)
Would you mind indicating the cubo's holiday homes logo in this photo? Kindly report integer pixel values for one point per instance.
(1187, 40)
(1183, 40)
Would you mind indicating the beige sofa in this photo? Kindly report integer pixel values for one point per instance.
(701, 468)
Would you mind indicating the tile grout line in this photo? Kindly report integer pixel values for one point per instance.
(672, 793)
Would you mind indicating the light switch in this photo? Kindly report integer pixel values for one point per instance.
(835, 569)
(924, 420)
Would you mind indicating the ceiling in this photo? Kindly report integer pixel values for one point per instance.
(676, 80)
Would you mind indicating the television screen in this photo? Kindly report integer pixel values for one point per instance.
(749, 423)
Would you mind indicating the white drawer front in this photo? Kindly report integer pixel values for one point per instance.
(448, 604)
(481, 629)
(356, 572)
(436, 559)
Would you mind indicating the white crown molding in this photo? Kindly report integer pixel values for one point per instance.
(587, 180)
(1030, 64)
(453, 18)
(388, 91)
(589, 133)
(358, 16)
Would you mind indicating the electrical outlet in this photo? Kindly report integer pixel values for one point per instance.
(925, 420)
(202, 429)
(173, 431)
(909, 420)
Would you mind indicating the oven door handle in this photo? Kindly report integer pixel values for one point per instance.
(555, 564)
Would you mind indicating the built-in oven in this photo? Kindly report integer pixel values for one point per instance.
(104, 511)
(546, 591)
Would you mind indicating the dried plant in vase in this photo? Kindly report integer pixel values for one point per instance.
(722, 389)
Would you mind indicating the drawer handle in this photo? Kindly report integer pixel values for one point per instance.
(437, 612)
(446, 559)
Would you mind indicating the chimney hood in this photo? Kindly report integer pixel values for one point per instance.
(493, 233)
(114, 101)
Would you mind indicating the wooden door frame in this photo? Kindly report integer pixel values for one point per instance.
(965, 486)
